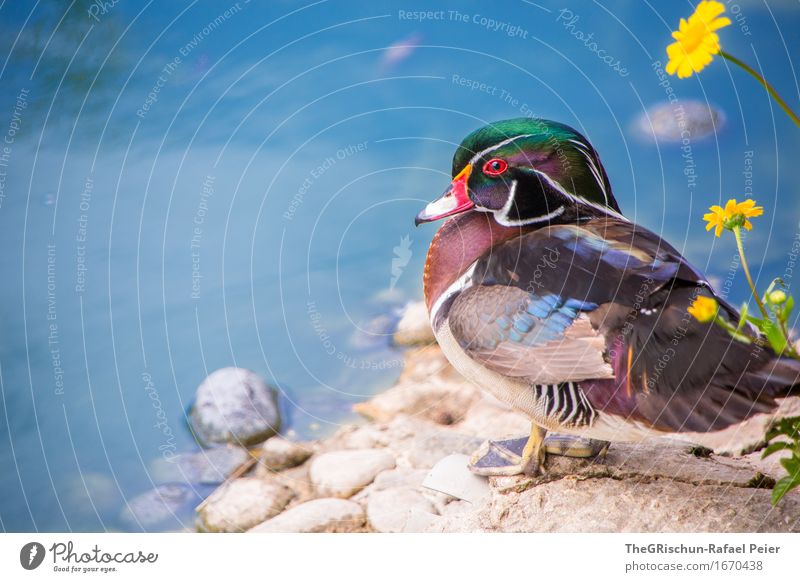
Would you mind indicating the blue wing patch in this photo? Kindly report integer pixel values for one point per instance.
(536, 320)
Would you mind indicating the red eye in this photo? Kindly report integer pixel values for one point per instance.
(495, 167)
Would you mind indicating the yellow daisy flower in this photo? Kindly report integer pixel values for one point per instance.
(715, 219)
(747, 209)
(696, 41)
(734, 214)
(703, 309)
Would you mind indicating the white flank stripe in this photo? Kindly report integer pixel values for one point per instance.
(458, 285)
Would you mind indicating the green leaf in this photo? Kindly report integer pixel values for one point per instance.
(774, 448)
(788, 426)
(742, 317)
(775, 337)
(787, 309)
(757, 321)
(792, 466)
(782, 487)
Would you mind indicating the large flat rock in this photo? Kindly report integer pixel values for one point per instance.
(652, 487)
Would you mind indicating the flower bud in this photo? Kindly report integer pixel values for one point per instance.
(776, 297)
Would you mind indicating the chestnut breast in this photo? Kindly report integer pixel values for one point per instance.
(456, 246)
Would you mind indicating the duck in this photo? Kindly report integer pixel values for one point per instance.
(542, 293)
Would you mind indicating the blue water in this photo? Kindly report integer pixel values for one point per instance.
(188, 188)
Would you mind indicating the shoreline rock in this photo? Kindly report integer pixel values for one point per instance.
(326, 515)
(207, 466)
(344, 473)
(414, 327)
(278, 454)
(242, 504)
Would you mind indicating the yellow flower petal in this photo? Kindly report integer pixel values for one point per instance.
(696, 40)
(748, 208)
(703, 309)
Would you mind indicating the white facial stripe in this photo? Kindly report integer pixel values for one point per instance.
(458, 285)
(592, 167)
(505, 221)
(480, 154)
(578, 143)
(503, 213)
(501, 216)
(578, 199)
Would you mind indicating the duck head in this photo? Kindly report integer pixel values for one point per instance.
(525, 171)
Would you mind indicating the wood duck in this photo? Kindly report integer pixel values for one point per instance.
(540, 291)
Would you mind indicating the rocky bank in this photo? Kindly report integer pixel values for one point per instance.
(402, 469)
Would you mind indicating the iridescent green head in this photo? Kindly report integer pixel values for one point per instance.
(526, 171)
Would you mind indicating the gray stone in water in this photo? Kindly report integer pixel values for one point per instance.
(242, 504)
(234, 405)
(165, 507)
(452, 477)
(667, 122)
(90, 492)
(375, 333)
(209, 466)
(319, 515)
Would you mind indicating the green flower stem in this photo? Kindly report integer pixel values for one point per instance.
(790, 349)
(742, 337)
(765, 84)
(737, 232)
(784, 331)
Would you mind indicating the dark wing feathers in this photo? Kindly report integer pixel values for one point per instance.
(683, 375)
(602, 261)
(527, 312)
